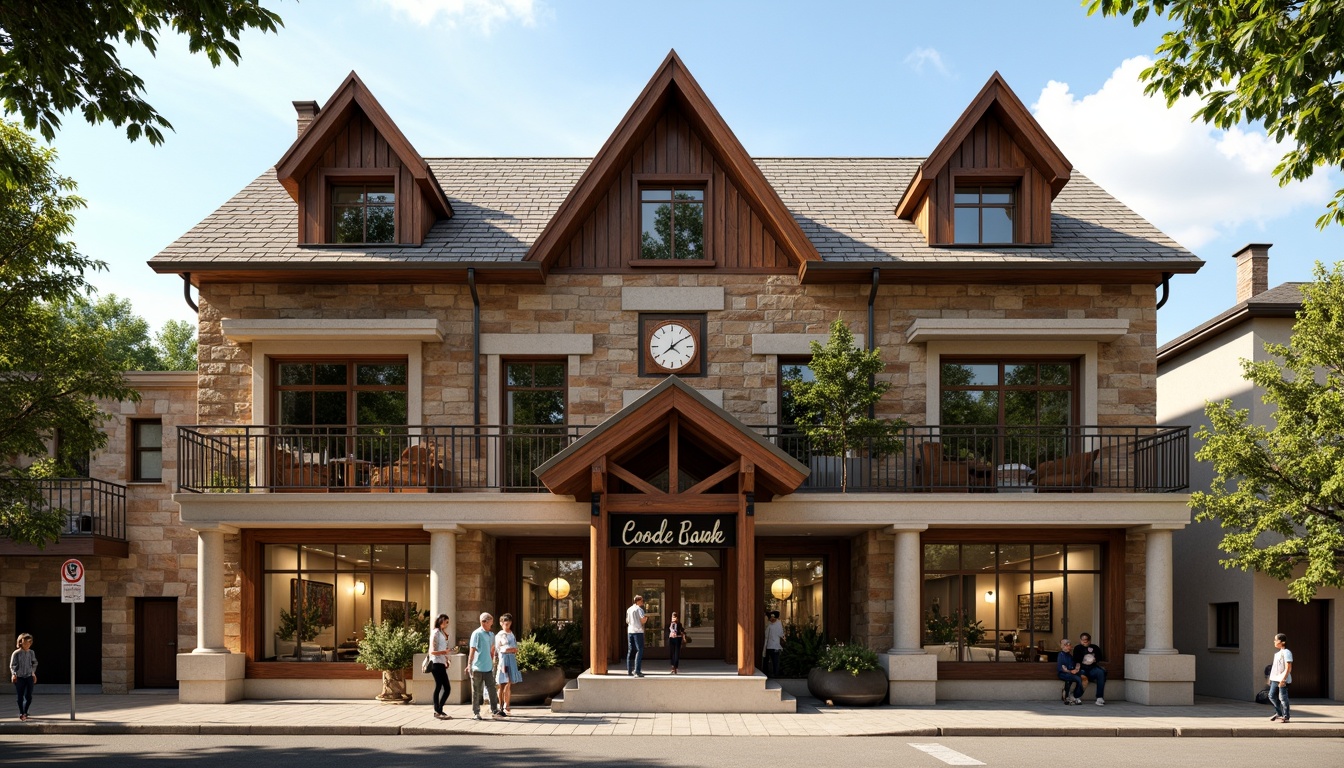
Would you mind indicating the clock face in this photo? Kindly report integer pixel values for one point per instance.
(672, 346)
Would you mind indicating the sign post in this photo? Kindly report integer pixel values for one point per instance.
(72, 591)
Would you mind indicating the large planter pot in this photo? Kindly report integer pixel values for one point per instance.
(843, 689)
(394, 687)
(538, 685)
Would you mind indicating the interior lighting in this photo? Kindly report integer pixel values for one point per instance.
(989, 596)
(558, 588)
(782, 589)
(360, 586)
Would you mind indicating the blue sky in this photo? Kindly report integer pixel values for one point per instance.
(553, 78)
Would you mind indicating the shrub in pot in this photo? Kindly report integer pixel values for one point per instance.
(390, 649)
(848, 674)
(542, 675)
(803, 644)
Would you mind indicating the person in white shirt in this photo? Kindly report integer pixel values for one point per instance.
(1280, 675)
(634, 633)
(774, 639)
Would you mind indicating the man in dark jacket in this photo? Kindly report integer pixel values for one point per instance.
(1089, 656)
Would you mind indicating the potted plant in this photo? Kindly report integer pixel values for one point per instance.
(542, 675)
(848, 674)
(940, 628)
(390, 649)
(567, 641)
(803, 644)
(305, 631)
(834, 405)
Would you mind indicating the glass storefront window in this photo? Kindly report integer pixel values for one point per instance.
(1009, 602)
(552, 593)
(796, 587)
(316, 598)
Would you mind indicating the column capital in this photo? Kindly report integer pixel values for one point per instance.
(909, 528)
(452, 528)
(213, 528)
(1168, 527)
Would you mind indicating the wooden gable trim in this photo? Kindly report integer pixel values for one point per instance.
(672, 81)
(306, 151)
(1016, 120)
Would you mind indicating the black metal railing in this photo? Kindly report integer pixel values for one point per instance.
(437, 459)
(90, 507)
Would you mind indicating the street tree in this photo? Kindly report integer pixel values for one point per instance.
(1275, 63)
(176, 344)
(51, 367)
(1279, 492)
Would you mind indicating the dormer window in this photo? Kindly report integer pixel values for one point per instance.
(363, 213)
(672, 223)
(984, 214)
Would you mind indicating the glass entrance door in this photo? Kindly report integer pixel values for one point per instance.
(694, 597)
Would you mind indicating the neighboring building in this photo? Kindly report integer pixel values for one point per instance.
(140, 562)
(1228, 618)
(446, 384)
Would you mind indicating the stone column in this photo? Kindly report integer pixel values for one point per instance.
(443, 574)
(1158, 674)
(1158, 595)
(210, 591)
(912, 675)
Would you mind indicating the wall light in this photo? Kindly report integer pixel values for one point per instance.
(782, 589)
(559, 588)
(989, 596)
(360, 586)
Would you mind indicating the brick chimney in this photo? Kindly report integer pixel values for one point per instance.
(307, 111)
(1252, 270)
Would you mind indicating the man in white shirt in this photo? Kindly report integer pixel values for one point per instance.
(774, 639)
(634, 633)
(1280, 676)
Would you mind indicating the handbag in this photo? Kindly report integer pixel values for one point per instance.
(685, 638)
(424, 667)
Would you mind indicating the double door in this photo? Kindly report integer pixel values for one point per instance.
(695, 598)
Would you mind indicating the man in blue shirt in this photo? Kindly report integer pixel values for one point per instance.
(1068, 672)
(480, 660)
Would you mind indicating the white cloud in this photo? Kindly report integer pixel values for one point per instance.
(480, 13)
(1193, 181)
(921, 56)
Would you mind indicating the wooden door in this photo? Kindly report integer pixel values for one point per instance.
(1305, 625)
(47, 619)
(156, 642)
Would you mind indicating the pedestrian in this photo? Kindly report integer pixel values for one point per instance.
(1280, 676)
(774, 644)
(675, 634)
(634, 637)
(438, 665)
(481, 663)
(506, 650)
(23, 672)
(1068, 670)
(1089, 657)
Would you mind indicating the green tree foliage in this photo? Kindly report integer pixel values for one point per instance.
(1275, 62)
(61, 57)
(51, 369)
(176, 344)
(127, 333)
(678, 230)
(1279, 493)
(833, 407)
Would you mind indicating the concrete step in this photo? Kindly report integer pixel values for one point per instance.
(697, 690)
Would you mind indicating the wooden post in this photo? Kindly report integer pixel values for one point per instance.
(746, 572)
(599, 616)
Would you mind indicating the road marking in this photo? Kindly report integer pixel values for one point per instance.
(949, 756)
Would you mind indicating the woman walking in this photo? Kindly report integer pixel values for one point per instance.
(506, 645)
(438, 667)
(23, 672)
(676, 633)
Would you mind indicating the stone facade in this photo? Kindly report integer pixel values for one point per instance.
(871, 583)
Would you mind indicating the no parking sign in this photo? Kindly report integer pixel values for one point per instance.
(72, 581)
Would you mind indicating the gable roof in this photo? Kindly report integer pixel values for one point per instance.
(672, 82)
(1284, 300)
(1016, 120)
(352, 94)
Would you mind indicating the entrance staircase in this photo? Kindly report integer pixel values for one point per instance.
(699, 686)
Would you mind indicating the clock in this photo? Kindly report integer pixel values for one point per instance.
(673, 347)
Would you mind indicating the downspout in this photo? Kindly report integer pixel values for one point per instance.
(872, 337)
(1166, 290)
(186, 292)
(475, 348)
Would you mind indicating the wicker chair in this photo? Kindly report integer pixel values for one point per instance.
(936, 473)
(1075, 472)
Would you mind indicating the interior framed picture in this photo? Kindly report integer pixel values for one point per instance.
(395, 611)
(1036, 612)
(318, 593)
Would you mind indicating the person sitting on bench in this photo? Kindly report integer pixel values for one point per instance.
(1067, 670)
(1089, 657)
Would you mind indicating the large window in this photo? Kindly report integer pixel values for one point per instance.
(534, 408)
(672, 223)
(983, 214)
(147, 451)
(1011, 602)
(1008, 411)
(796, 587)
(552, 594)
(363, 213)
(316, 598)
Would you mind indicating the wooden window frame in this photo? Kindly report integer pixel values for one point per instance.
(330, 178)
(987, 177)
(350, 387)
(137, 451)
(803, 360)
(646, 181)
(506, 416)
(1075, 387)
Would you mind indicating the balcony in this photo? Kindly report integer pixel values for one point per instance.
(95, 517)
(455, 459)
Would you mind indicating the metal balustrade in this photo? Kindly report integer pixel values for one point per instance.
(90, 507)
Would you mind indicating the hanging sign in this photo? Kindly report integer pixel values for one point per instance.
(681, 531)
(72, 582)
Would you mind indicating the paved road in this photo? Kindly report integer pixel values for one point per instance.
(656, 751)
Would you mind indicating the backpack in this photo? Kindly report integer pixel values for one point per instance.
(1262, 695)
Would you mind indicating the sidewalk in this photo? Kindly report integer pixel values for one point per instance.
(161, 714)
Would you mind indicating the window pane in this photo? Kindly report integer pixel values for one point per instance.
(330, 373)
(970, 407)
(970, 374)
(1056, 408)
(689, 239)
(997, 195)
(417, 557)
(520, 375)
(552, 596)
(532, 408)
(1056, 373)
(967, 195)
(347, 225)
(380, 194)
(690, 194)
(966, 225)
(998, 225)
(386, 374)
(381, 224)
(353, 556)
(550, 374)
(655, 194)
(296, 373)
(1082, 606)
(1048, 557)
(389, 557)
(1084, 557)
(1019, 408)
(941, 557)
(149, 434)
(1014, 557)
(347, 195)
(296, 407)
(656, 231)
(329, 408)
(977, 557)
(281, 557)
(1019, 375)
(151, 465)
(380, 408)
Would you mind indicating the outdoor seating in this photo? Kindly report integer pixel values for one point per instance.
(1075, 472)
(939, 474)
(417, 469)
(295, 470)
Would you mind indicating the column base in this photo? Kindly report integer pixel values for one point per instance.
(210, 678)
(421, 684)
(1160, 680)
(912, 678)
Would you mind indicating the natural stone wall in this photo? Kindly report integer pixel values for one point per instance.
(476, 580)
(871, 585)
(1136, 584)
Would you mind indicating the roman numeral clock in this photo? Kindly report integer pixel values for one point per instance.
(673, 346)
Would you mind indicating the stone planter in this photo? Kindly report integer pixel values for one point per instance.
(537, 686)
(394, 687)
(845, 690)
